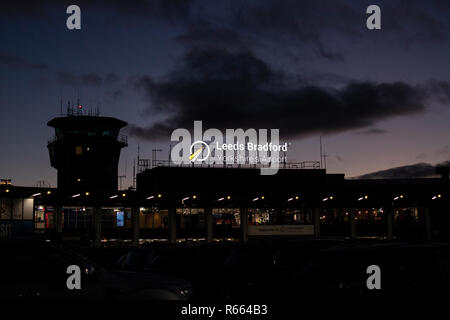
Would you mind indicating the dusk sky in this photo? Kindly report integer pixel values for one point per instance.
(379, 98)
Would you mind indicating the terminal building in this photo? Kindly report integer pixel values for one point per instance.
(176, 203)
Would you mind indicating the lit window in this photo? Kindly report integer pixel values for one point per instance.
(78, 150)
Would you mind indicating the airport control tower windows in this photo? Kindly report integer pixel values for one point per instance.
(86, 147)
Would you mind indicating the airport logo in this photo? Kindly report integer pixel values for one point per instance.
(199, 146)
(236, 146)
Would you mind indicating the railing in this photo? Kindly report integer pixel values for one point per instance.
(52, 139)
(145, 164)
(121, 138)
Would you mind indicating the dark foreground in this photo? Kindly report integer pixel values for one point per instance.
(222, 271)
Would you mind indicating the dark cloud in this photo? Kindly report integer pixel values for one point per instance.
(440, 89)
(116, 94)
(88, 79)
(91, 79)
(416, 21)
(328, 54)
(10, 60)
(297, 24)
(238, 90)
(18, 62)
(111, 78)
(40, 66)
(373, 131)
(312, 22)
(421, 156)
(445, 150)
(67, 78)
(237, 25)
(64, 77)
(27, 9)
(173, 10)
(419, 170)
(203, 33)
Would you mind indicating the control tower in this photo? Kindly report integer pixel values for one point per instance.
(85, 150)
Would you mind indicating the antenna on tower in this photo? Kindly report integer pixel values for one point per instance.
(138, 156)
(321, 155)
(170, 154)
(134, 174)
(78, 106)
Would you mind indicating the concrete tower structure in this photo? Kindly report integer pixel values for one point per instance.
(85, 150)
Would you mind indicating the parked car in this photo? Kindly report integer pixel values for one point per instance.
(34, 269)
(405, 269)
(200, 264)
(246, 270)
(262, 269)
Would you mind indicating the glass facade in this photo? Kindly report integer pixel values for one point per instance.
(271, 216)
(191, 223)
(226, 222)
(154, 222)
(153, 218)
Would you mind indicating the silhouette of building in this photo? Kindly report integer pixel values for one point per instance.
(85, 150)
(207, 202)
